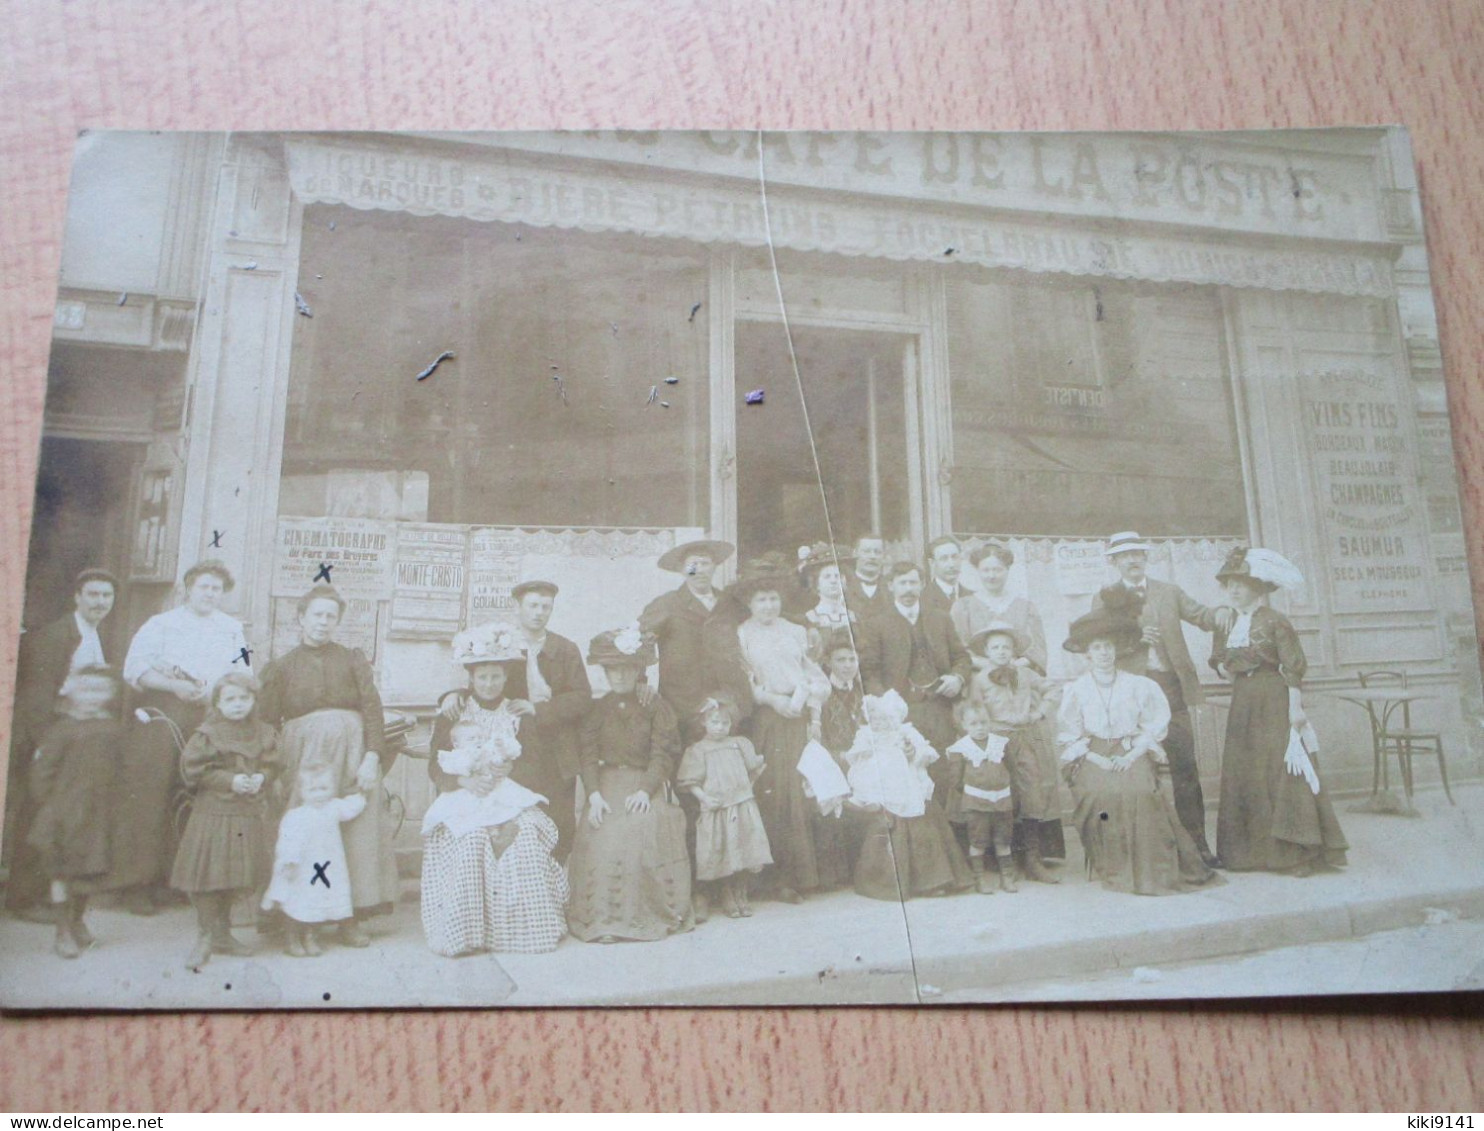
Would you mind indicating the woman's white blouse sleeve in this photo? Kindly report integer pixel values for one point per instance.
(1154, 712)
(1071, 729)
(145, 651)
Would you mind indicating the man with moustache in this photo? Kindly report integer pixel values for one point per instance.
(866, 592)
(913, 649)
(47, 658)
(676, 621)
(945, 563)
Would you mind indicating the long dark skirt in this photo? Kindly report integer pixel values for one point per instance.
(630, 877)
(904, 857)
(144, 834)
(1269, 819)
(808, 850)
(1133, 839)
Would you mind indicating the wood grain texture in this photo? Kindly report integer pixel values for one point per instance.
(1176, 64)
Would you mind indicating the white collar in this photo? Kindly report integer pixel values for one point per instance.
(912, 614)
(84, 629)
(976, 755)
(948, 590)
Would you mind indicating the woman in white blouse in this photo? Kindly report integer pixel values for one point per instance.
(1109, 731)
(788, 690)
(174, 660)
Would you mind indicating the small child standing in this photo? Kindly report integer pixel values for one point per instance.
(74, 783)
(311, 880)
(719, 771)
(228, 766)
(980, 795)
(1018, 701)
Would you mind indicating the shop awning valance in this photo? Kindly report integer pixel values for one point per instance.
(518, 187)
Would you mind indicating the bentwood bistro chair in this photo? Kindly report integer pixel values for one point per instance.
(1392, 732)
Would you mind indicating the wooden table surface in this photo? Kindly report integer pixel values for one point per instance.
(264, 64)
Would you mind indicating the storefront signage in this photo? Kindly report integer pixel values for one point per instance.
(355, 555)
(1247, 183)
(512, 187)
(1366, 486)
(1081, 567)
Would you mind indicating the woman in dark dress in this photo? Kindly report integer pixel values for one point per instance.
(630, 872)
(821, 567)
(322, 696)
(1275, 815)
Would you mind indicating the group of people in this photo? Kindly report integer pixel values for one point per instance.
(826, 722)
(281, 773)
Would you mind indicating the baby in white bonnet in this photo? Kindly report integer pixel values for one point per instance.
(480, 760)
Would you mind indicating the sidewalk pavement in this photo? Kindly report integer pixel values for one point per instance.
(837, 948)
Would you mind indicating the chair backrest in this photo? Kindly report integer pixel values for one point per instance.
(1381, 717)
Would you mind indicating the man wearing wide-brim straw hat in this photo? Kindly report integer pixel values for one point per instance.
(1159, 608)
(675, 621)
(677, 624)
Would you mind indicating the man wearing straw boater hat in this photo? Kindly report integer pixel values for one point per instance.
(675, 621)
(1159, 607)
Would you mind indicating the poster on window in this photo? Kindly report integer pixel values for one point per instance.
(355, 555)
(428, 600)
(494, 569)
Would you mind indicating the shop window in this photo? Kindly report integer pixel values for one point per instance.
(577, 393)
(1079, 409)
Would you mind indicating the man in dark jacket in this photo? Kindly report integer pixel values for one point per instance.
(866, 591)
(48, 656)
(551, 692)
(677, 619)
(914, 650)
(945, 564)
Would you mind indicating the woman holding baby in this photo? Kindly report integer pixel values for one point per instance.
(489, 882)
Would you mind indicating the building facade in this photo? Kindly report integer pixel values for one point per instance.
(1212, 339)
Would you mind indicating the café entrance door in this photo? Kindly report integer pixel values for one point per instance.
(862, 413)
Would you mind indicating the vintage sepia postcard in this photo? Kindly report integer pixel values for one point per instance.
(620, 568)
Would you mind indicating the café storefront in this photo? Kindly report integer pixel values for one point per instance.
(1042, 338)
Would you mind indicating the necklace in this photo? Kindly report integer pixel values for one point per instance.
(1105, 696)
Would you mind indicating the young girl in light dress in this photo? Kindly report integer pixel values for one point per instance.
(719, 771)
(311, 880)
